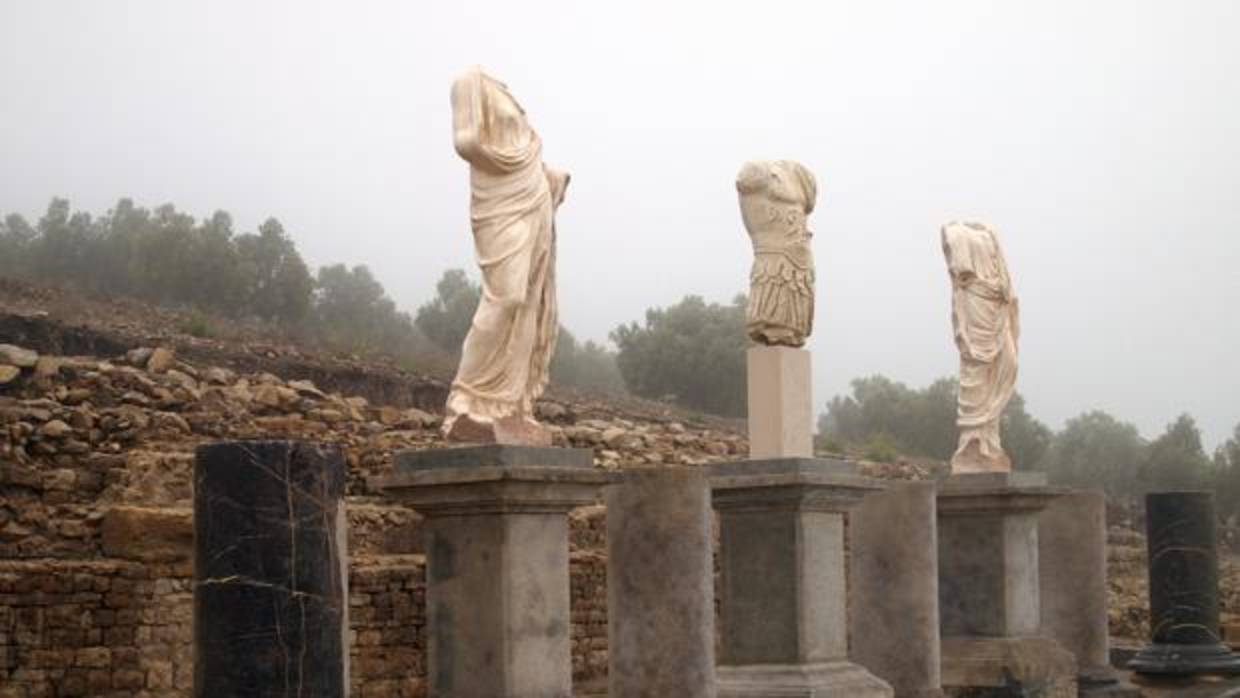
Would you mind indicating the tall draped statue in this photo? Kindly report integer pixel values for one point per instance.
(776, 196)
(986, 321)
(507, 353)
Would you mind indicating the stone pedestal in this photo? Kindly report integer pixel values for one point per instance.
(497, 589)
(893, 590)
(781, 409)
(989, 607)
(271, 570)
(1183, 569)
(660, 585)
(783, 607)
(1072, 563)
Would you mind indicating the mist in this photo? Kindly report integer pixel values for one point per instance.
(1098, 138)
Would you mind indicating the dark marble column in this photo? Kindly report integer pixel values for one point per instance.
(1183, 569)
(270, 597)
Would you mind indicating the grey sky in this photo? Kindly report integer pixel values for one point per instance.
(1102, 138)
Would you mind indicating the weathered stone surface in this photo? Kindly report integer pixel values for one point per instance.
(161, 360)
(893, 609)
(780, 403)
(989, 600)
(1183, 573)
(270, 597)
(8, 373)
(1022, 667)
(497, 565)
(783, 597)
(148, 535)
(18, 356)
(660, 598)
(1073, 588)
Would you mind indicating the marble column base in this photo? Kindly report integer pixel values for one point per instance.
(1104, 682)
(839, 679)
(1186, 659)
(996, 667)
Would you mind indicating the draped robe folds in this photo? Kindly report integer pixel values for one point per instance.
(985, 318)
(506, 356)
(775, 197)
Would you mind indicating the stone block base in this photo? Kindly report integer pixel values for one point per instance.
(826, 680)
(992, 667)
(781, 409)
(1186, 660)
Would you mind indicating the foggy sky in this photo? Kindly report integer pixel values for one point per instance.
(1101, 138)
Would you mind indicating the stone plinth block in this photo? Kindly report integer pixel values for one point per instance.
(497, 588)
(1072, 564)
(270, 598)
(893, 602)
(1183, 573)
(989, 589)
(781, 410)
(660, 585)
(783, 606)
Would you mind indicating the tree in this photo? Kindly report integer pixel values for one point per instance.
(445, 319)
(1095, 450)
(352, 310)
(1024, 438)
(279, 284)
(692, 352)
(884, 416)
(1175, 460)
(15, 239)
(587, 366)
(1227, 476)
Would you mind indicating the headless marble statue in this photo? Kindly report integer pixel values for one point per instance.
(506, 356)
(986, 323)
(776, 196)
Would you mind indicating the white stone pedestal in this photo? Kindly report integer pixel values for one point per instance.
(497, 587)
(989, 590)
(782, 605)
(781, 409)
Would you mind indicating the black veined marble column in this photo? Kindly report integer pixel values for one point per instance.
(1183, 573)
(270, 595)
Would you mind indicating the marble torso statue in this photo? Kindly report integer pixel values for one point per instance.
(775, 197)
(986, 322)
(507, 354)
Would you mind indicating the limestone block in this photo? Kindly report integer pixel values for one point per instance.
(894, 588)
(660, 585)
(1072, 567)
(781, 411)
(148, 535)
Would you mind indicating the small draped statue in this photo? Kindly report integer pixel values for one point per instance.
(775, 197)
(506, 357)
(986, 324)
